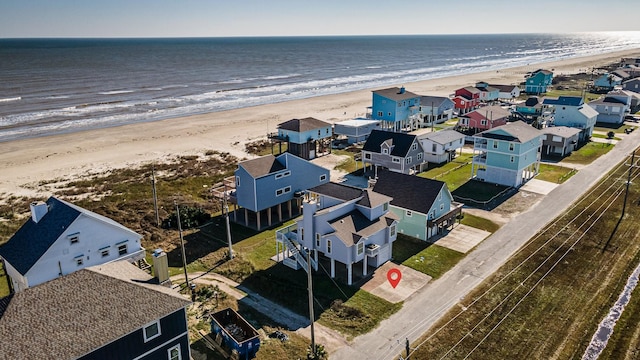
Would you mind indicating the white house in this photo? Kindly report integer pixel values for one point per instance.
(61, 238)
(571, 111)
(441, 146)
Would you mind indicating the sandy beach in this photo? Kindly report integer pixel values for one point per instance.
(24, 163)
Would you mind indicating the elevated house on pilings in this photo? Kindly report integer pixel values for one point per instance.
(268, 190)
(306, 138)
(340, 224)
(397, 108)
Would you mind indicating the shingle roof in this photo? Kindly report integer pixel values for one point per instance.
(353, 226)
(302, 125)
(401, 142)
(492, 112)
(607, 100)
(564, 100)
(443, 136)
(519, 130)
(372, 199)
(504, 88)
(75, 314)
(33, 239)
(395, 94)
(563, 131)
(435, 100)
(338, 191)
(532, 101)
(408, 191)
(262, 166)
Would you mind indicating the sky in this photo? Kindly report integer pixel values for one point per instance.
(216, 18)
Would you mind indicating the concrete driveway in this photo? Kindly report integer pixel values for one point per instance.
(462, 238)
(410, 282)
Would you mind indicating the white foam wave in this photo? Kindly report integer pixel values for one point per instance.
(11, 99)
(115, 92)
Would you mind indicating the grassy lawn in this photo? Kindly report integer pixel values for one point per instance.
(479, 191)
(479, 223)
(454, 173)
(588, 96)
(588, 153)
(616, 128)
(4, 286)
(602, 136)
(554, 173)
(423, 256)
(348, 165)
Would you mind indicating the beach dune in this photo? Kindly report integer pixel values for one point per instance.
(25, 163)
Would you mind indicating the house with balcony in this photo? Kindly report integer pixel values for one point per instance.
(424, 207)
(571, 111)
(355, 130)
(435, 108)
(397, 108)
(466, 99)
(400, 152)
(441, 146)
(109, 311)
(538, 82)
(507, 155)
(60, 238)
(306, 138)
(484, 118)
(268, 189)
(611, 109)
(351, 228)
(559, 140)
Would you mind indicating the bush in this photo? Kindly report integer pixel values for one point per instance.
(190, 217)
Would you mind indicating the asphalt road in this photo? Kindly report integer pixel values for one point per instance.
(426, 306)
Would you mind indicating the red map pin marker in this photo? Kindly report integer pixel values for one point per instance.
(394, 276)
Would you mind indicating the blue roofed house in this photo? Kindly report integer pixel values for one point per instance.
(340, 224)
(397, 108)
(424, 207)
(306, 138)
(265, 184)
(400, 152)
(441, 146)
(571, 111)
(108, 311)
(60, 238)
(439, 108)
(538, 81)
(507, 155)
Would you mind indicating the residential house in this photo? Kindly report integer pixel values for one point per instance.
(424, 207)
(488, 93)
(607, 82)
(306, 138)
(396, 107)
(60, 238)
(347, 225)
(441, 146)
(628, 97)
(264, 185)
(355, 130)
(108, 311)
(507, 155)
(466, 99)
(538, 81)
(611, 109)
(571, 111)
(632, 85)
(531, 109)
(438, 108)
(400, 152)
(507, 92)
(484, 118)
(559, 140)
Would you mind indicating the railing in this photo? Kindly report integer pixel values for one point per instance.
(480, 159)
(372, 250)
(285, 236)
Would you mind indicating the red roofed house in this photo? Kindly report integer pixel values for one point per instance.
(484, 118)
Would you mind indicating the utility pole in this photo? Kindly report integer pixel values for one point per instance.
(407, 348)
(155, 195)
(184, 257)
(225, 210)
(624, 203)
(311, 316)
(432, 116)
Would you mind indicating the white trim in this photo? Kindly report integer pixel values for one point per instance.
(162, 345)
(179, 352)
(144, 330)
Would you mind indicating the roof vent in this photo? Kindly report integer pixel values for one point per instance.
(38, 210)
(401, 90)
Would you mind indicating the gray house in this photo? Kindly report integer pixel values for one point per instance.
(439, 108)
(632, 85)
(399, 152)
(559, 140)
(611, 110)
(441, 146)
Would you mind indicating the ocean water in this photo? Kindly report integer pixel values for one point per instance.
(51, 86)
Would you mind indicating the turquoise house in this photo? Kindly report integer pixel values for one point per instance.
(306, 138)
(538, 82)
(397, 108)
(507, 155)
(424, 207)
(607, 82)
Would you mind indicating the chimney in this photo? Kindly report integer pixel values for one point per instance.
(160, 266)
(401, 90)
(38, 210)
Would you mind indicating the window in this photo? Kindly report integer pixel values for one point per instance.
(409, 213)
(328, 246)
(237, 180)
(385, 151)
(396, 160)
(78, 260)
(287, 189)
(434, 148)
(74, 238)
(319, 133)
(284, 174)
(408, 160)
(512, 159)
(385, 206)
(419, 156)
(392, 230)
(104, 252)
(174, 353)
(495, 144)
(441, 206)
(389, 113)
(323, 177)
(367, 156)
(483, 122)
(317, 240)
(122, 249)
(151, 331)
(360, 247)
(511, 146)
(380, 113)
(414, 147)
(279, 192)
(302, 234)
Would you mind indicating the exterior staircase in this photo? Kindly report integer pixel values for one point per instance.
(297, 260)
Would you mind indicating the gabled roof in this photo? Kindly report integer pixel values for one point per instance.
(353, 226)
(607, 100)
(408, 191)
(518, 131)
(443, 136)
(435, 100)
(262, 166)
(588, 112)
(396, 93)
(302, 125)
(33, 239)
(542, 71)
(621, 73)
(367, 197)
(532, 101)
(372, 199)
(563, 131)
(401, 142)
(75, 314)
(492, 112)
(564, 100)
(472, 90)
(504, 88)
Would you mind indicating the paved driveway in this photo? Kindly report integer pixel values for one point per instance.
(462, 238)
